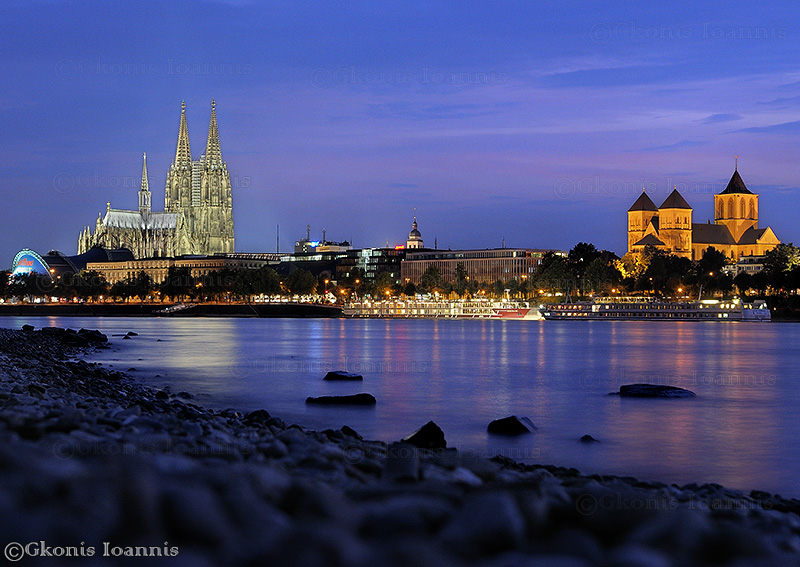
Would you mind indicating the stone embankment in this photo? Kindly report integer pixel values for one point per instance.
(91, 460)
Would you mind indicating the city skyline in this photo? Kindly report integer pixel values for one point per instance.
(512, 123)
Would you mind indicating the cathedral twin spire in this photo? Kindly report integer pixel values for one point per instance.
(183, 153)
(199, 191)
(213, 153)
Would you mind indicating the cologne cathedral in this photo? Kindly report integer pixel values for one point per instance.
(198, 211)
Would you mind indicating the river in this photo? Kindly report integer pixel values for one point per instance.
(742, 430)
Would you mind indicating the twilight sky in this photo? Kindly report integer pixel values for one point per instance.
(538, 122)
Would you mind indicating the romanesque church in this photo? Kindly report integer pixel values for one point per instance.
(669, 227)
(198, 208)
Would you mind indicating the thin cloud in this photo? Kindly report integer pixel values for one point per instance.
(784, 128)
(717, 118)
(783, 102)
(672, 147)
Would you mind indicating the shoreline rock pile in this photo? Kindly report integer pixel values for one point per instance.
(89, 456)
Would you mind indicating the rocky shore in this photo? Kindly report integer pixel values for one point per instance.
(96, 468)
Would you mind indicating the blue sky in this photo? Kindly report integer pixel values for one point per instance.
(537, 122)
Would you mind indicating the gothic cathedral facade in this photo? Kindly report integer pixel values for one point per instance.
(198, 207)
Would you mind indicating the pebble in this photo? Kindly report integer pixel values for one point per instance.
(87, 452)
(488, 522)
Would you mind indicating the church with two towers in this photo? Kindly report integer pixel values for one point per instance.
(198, 207)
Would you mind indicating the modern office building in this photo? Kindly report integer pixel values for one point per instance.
(481, 265)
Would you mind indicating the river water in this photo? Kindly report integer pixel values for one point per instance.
(742, 430)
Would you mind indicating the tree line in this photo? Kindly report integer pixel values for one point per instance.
(583, 272)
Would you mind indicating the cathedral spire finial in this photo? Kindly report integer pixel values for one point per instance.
(736, 163)
(145, 183)
(183, 153)
(213, 153)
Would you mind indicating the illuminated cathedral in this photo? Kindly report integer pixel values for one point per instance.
(198, 208)
(669, 227)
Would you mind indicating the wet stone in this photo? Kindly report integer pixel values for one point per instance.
(488, 522)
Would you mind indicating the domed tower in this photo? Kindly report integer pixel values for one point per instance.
(414, 237)
(736, 207)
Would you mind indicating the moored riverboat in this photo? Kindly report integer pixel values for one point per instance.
(637, 308)
(447, 309)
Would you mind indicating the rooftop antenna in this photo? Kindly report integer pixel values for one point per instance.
(504, 242)
(323, 236)
(435, 242)
(308, 232)
(278, 241)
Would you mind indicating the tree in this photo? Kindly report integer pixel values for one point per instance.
(600, 276)
(779, 264)
(461, 279)
(499, 288)
(301, 282)
(31, 285)
(743, 282)
(431, 280)
(179, 283)
(141, 286)
(5, 283)
(553, 274)
(579, 258)
(266, 281)
(218, 284)
(383, 284)
(410, 289)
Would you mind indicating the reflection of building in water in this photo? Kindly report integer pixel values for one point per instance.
(198, 208)
(669, 227)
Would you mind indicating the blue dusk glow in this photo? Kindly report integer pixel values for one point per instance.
(534, 122)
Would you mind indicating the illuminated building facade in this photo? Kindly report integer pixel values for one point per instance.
(482, 266)
(158, 268)
(669, 227)
(198, 207)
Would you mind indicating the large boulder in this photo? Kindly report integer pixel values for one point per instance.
(354, 400)
(429, 436)
(342, 375)
(93, 335)
(511, 425)
(654, 391)
(257, 417)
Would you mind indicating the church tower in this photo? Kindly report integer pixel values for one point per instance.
(200, 192)
(640, 215)
(144, 191)
(736, 207)
(216, 218)
(414, 237)
(179, 178)
(675, 224)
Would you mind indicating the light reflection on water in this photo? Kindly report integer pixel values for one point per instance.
(742, 430)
